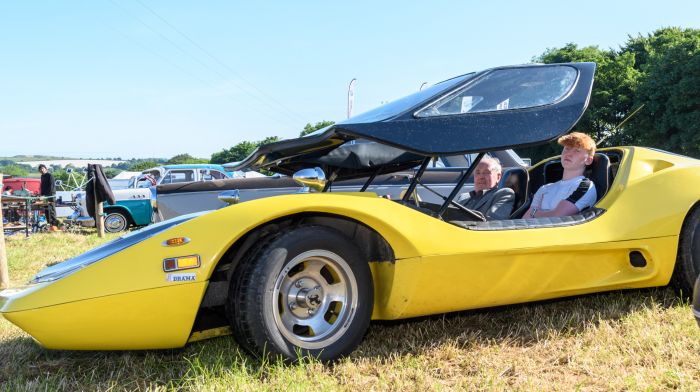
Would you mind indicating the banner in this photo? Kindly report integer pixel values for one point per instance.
(351, 96)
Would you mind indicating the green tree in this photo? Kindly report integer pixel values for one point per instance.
(143, 165)
(185, 158)
(669, 91)
(14, 170)
(612, 97)
(111, 172)
(308, 128)
(240, 151)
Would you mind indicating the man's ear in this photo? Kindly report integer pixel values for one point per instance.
(589, 160)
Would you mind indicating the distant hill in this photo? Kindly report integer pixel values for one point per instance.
(20, 158)
(78, 163)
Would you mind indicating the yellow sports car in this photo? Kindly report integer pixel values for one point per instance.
(304, 274)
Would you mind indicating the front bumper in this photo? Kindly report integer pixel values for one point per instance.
(146, 319)
(81, 221)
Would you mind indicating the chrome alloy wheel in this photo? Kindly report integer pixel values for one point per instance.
(115, 222)
(316, 299)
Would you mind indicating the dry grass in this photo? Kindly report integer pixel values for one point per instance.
(633, 340)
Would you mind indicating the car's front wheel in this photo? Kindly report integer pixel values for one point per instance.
(307, 292)
(116, 221)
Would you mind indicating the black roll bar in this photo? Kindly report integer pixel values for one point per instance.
(417, 177)
(460, 184)
(370, 179)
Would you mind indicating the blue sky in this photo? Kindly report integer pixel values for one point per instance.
(143, 78)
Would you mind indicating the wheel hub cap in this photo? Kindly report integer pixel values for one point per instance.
(316, 296)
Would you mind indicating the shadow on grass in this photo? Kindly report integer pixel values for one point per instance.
(519, 325)
(516, 325)
(34, 367)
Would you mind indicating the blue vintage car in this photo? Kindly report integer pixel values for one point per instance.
(133, 207)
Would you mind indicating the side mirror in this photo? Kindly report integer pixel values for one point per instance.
(311, 179)
(231, 197)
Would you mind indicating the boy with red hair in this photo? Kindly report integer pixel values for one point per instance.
(573, 192)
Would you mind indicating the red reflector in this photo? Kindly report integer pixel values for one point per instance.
(169, 264)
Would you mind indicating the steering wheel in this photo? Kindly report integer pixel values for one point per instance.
(478, 216)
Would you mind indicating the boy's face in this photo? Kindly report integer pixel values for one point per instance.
(575, 158)
(43, 170)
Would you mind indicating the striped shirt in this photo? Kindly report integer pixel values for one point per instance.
(578, 190)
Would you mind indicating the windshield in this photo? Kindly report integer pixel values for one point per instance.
(504, 89)
(399, 106)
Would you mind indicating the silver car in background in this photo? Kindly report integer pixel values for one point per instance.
(183, 198)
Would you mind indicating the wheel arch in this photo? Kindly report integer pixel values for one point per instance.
(211, 314)
(372, 244)
(680, 280)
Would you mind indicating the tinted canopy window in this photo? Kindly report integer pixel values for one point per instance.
(505, 89)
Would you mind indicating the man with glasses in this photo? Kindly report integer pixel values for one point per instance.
(486, 199)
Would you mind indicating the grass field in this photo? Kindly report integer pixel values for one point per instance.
(632, 340)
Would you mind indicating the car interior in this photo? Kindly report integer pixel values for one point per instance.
(524, 184)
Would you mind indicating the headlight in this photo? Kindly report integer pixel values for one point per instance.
(69, 266)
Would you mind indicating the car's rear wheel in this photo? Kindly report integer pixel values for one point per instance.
(306, 292)
(116, 221)
(688, 260)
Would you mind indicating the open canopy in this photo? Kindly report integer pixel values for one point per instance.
(495, 109)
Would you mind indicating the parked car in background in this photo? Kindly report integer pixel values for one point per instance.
(178, 199)
(173, 174)
(133, 208)
(122, 180)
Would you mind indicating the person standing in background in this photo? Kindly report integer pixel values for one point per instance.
(48, 189)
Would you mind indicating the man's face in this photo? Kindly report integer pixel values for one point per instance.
(574, 158)
(486, 176)
(43, 170)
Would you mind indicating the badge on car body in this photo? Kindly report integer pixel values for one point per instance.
(182, 277)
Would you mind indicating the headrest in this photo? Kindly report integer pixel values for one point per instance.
(599, 172)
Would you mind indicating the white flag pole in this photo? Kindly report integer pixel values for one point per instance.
(351, 96)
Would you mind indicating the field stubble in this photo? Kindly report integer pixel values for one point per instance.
(629, 340)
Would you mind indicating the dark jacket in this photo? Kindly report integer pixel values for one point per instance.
(493, 204)
(48, 185)
(97, 188)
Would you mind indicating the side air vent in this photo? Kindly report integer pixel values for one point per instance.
(637, 259)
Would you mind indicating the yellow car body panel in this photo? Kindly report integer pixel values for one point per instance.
(148, 319)
(438, 267)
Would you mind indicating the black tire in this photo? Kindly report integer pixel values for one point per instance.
(688, 260)
(116, 221)
(307, 292)
(232, 306)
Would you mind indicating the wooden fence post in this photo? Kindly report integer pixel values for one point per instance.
(4, 275)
